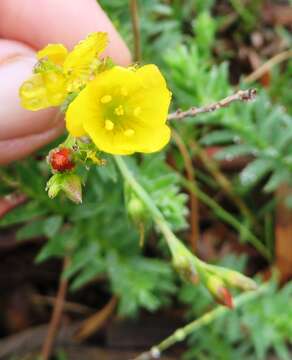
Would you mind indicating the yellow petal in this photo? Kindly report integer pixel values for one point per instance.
(151, 76)
(55, 84)
(79, 107)
(33, 93)
(145, 140)
(129, 132)
(115, 82)
(79, 64)
(43, 90)
(54, 52)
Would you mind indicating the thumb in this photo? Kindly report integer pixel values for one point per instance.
(16, 63)
(21, 131)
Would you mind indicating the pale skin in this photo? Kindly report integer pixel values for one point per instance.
(25, 27)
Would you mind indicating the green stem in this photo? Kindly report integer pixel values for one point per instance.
(175, 245)
(209, 317)
(224, 215)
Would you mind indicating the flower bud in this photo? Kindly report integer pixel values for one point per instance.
(225, 297)
(135, 206)
(69, 183)
(61, 159)
(54, 185)
(217, 288)
(185, 267)
(235, 279)
(136, 209)
(72, 187)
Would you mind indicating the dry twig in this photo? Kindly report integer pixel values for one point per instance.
(69, 306)
(222, 180)
(56, 317)
(194, 218)
(240, 95)
(136, 29)
(258, 73)
(96, 321)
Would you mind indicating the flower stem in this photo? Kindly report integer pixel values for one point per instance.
(142, 194)
(206, 319)
(175, 245)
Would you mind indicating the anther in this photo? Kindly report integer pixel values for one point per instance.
(129, 132)
(109, 125)
(105, 99)
(119, 110)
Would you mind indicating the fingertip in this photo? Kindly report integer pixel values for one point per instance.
(117, 48)
(19, 148)
(55, 21)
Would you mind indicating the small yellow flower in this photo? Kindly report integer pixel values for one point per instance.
(59, 72)
(123, 110)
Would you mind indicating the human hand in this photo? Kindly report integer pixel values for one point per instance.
(25, 27)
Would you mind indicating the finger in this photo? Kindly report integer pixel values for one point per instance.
(38, 23)
(11, 201)
(16, 62)
(15, 149)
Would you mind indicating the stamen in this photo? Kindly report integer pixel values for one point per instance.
(137, 111)
(106, 99)
(119, 110)
(129, 132)
(109, 125)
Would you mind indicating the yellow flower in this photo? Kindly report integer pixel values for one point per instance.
(123, 111)
(59, 72)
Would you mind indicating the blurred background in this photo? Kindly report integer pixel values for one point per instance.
(122, 297)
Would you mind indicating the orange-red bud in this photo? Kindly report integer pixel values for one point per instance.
(61, 159)
(224, 297)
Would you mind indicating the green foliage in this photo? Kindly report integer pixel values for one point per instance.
(97, 235)
(250, 333)
(261, 130)
(164, 24)
(159, 179)
(257, 328)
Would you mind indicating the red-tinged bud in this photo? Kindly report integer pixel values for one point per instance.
(61, 159)
(240, 281)
(217, 288)
(224, 297)
(67, 182)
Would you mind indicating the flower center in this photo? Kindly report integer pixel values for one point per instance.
(116, 113)
(119, 110)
